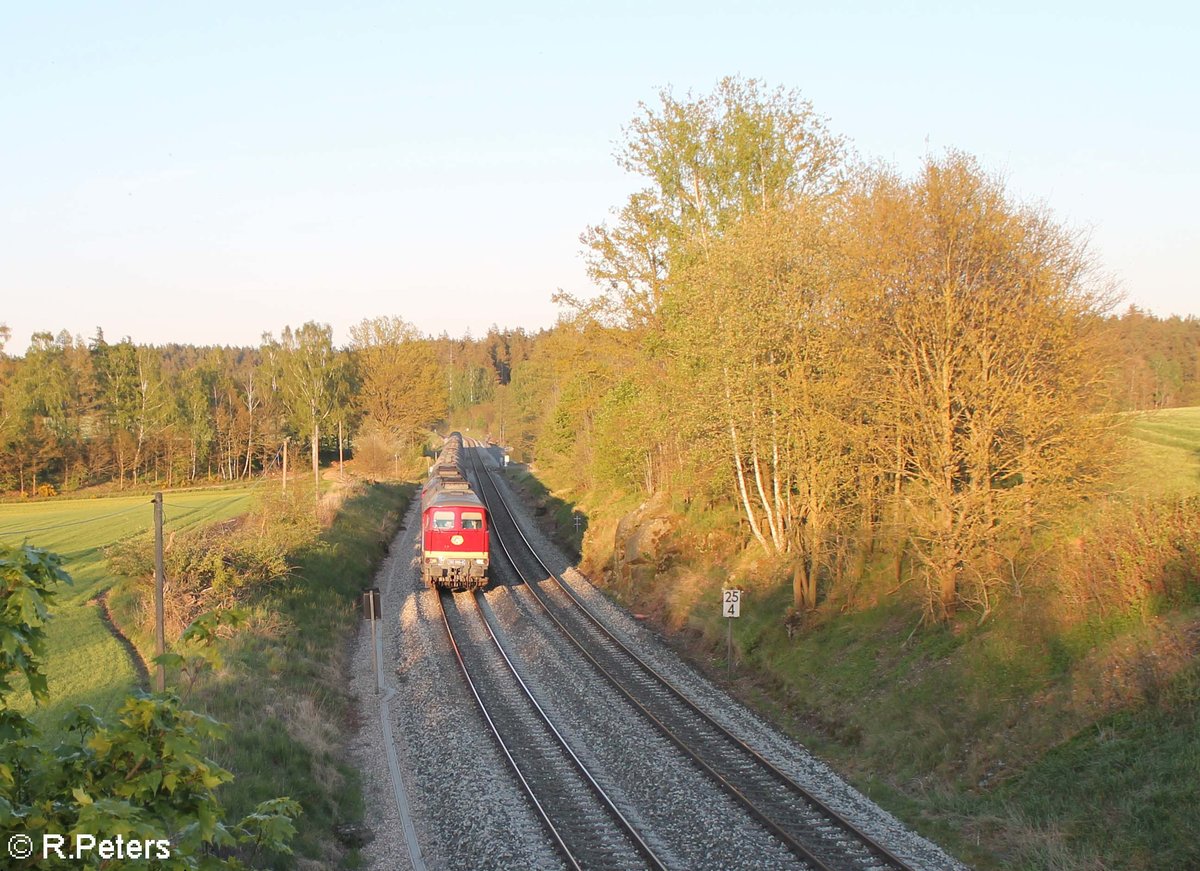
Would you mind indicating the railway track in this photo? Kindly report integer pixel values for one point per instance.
(581, 818)
(814, 832)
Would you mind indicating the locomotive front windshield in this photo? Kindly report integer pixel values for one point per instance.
(445, 520)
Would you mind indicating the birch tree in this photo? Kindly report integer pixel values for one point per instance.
(306, 375)
(759, 327)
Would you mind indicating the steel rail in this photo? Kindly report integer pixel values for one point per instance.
(635, 837)
(872, 846)
(562, 845)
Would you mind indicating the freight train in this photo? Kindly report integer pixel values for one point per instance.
(454, 524)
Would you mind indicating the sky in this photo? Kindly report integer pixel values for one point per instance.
(203, 173)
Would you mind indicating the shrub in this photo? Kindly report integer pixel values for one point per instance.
(142, 774)
(1136, 556)
(221, 565)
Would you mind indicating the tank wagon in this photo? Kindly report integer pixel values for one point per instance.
(454, 524)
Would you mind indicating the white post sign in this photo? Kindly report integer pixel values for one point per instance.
(731, 603)
(731, 606)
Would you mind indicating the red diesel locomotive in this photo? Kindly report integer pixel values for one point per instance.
(454, 525)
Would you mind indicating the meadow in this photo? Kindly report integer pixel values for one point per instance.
(1165, 456)
(85, 663)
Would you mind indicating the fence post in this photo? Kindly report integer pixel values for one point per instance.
(160, 641)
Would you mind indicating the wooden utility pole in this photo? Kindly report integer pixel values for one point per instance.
(160, 640)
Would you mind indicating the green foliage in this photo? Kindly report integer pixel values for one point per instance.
(142, 776)
(29, 576)
(225, 561)
(84, 663)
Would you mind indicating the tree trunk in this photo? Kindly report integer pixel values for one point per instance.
(741, 479)
(948, 588)
(316, 436)
(764, 499)
(249, 428)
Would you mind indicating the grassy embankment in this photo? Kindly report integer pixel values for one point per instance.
(1057, 734)
(281, 688)
(85, 663)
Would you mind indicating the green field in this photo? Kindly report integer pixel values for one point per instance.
(1166, 452)
(85, 664)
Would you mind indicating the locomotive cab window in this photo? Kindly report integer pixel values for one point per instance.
(443, 520)
(472, 520)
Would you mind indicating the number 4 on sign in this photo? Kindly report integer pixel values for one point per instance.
(731, 603)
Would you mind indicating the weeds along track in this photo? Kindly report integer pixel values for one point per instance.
(814, 832)
(581, 818)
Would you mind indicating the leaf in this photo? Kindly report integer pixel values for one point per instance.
(169, 660)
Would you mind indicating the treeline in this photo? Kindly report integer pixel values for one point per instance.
(76, 412)
(849, 358)
(856, 361)
(1155, 361)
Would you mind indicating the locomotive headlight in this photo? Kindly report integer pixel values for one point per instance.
(480, 562)
(456, 539)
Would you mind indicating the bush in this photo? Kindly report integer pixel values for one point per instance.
(142, 774)
(221, 565)
(1135, 557)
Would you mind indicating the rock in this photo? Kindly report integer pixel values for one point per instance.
(642, 544)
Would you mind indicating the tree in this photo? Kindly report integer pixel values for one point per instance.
(46, 405)
(984, 318)
(759, 328)
(710, 263)
(307, 371)
(401, 388)
(117, 380)
(709, 161)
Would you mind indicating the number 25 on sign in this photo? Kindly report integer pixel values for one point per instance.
(731, 603)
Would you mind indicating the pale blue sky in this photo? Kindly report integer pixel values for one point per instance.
(205, 174)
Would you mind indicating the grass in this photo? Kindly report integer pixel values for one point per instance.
(1165, 452)
(1139, 768)
(282, 689)
(85, 663)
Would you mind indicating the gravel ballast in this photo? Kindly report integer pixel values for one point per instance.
(790, 757)
(466, 810)
(464, 805)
